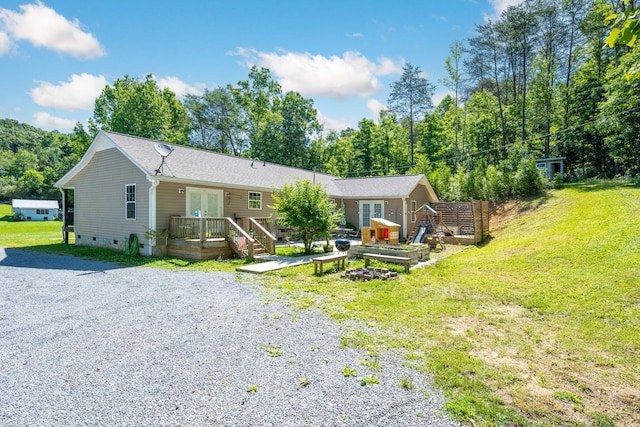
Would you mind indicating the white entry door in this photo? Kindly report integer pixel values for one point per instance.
(208, 203)
(370, 209)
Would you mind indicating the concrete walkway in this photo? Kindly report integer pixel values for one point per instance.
(275, 262)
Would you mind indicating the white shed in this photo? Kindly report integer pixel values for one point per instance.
(36, 210)
(551, 166)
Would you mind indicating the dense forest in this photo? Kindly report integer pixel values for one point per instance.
(538, 82)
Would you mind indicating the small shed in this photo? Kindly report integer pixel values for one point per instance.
(36, 210)
(381, 231)
(551, 166)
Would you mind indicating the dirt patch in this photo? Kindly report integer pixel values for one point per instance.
(542, 381)
(502, 213)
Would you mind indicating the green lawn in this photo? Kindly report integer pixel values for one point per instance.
(46, 236)
(23, 233)
(538, 326)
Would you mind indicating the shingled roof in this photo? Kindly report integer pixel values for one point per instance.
(385, 187)
(192, 165)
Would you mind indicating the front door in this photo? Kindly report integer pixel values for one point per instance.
(208, 203)
(370, 209)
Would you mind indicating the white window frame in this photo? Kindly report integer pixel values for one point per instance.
(249, 200)
(414, 208)
(128, 202)
(372, 212)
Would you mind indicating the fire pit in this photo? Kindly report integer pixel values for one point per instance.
(343, 245)
(370, 273)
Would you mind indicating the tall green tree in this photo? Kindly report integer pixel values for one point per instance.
(142, 109)
(621, 113)
(453, 81)
(484, 126)
(410, 99)
(216, 121)
(260, 99)
(486, 46)
(519, 30)
(299, 125)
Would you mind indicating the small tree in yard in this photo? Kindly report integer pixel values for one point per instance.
(306, 208)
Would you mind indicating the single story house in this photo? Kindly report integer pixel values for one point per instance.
(126, 185)
(36, 210)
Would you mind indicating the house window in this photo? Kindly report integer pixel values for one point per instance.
(255, 200)
(130, 201)
(42, 211)
(414, 208)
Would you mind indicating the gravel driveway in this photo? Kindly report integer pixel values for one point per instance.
(91, 343)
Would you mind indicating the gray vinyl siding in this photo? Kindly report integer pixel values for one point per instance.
(169, 202)
(100, 201)
(393, 212)
(237, 204)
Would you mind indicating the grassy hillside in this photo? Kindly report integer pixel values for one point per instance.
(539, 326)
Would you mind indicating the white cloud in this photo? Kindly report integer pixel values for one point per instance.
(5, 43)
(438, 97)
(375, 107)
(500, 6)
(79, 93)
(334, 124)
(47, 121)
(335, 77)
(44, 27)
(179, 87)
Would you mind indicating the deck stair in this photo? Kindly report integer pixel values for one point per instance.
(258, 249)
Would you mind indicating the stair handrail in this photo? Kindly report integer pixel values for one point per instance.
(263, 236)
(235, 235)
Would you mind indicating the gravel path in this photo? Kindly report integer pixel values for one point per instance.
(90, 343)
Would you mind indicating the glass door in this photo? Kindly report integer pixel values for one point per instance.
(204, 202)
(370, 209)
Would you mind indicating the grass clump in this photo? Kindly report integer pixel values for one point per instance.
(407, 383)
(369, 380)
(349, 372)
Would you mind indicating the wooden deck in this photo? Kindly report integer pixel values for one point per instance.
(200, 250)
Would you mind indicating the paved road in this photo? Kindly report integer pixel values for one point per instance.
(89, 343)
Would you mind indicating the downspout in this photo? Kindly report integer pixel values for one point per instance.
(404, 218)
(152, 210)
(64, 211)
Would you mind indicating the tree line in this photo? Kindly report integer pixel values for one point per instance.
(547, 78)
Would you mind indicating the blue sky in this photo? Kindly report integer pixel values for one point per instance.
(57, 56)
